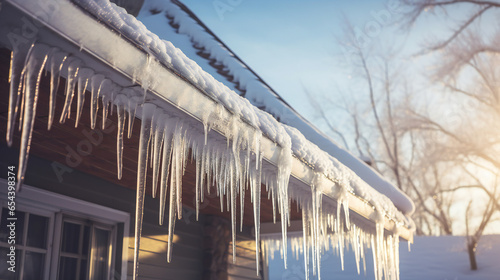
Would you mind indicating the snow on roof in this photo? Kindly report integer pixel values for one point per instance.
(254, 89)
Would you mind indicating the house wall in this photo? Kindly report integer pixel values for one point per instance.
(245, 266)
(187, 262)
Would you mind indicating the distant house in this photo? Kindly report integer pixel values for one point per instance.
(124, 151)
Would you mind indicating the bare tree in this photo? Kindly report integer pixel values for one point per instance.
(378, 130)
(469, 72)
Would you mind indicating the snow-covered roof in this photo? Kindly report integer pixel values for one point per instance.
(173, 21)
(183, 108)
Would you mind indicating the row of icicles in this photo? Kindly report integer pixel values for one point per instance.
(167, 142)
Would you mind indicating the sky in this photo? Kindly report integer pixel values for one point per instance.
(294, 45)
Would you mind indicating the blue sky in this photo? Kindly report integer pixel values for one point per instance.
(293, 45)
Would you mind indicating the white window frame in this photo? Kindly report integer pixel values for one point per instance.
(34, 200)
(40, 212)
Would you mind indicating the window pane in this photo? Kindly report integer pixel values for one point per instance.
(86, 238)
(37, 231)
(4, 266)
(19, 224)
(67, 268)
(83, 270)
(71, 238)
(100, 254)
(33, 265)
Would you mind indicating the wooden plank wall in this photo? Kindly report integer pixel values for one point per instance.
(245, 266)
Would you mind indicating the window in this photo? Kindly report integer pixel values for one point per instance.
(58, 237)
(31, 238)
(86, 250)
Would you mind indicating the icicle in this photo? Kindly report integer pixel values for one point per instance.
(232, 190)
(22, 89)
(178, 163)
(256, 194)
(131, 109)
(257, 138)
(273, 200)
(284, 171)
(17, 81)
(166, 155)
(104, 92)
(34, 68)
(343, 198)
(147, 114)
(171, 214)
(207, 159)
(95, 85)
(196, 151)
(203, 171)
(73, 67)
(158, 126)
(305, 232)
(119, 137)
(57, 60)
(83, 79)
(116, 89)
(17, 62)
(205, 120)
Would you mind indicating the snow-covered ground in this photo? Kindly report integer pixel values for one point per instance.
(430, 258)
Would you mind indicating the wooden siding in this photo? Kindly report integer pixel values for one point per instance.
(245, 266)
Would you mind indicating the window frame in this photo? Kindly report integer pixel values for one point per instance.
(42, 201)
(61, 218)
(30, 210)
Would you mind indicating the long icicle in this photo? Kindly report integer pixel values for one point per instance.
(159, 126)
(95, 84)
(165, 163)
(84, 76)
(17, 62)
(179, 146)
(283, 177)
(119, 138)
(73, 67)
(256, 193)
(173, 198)
(132, 105)
(57, 60)
(34, 68)
(147, 114)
